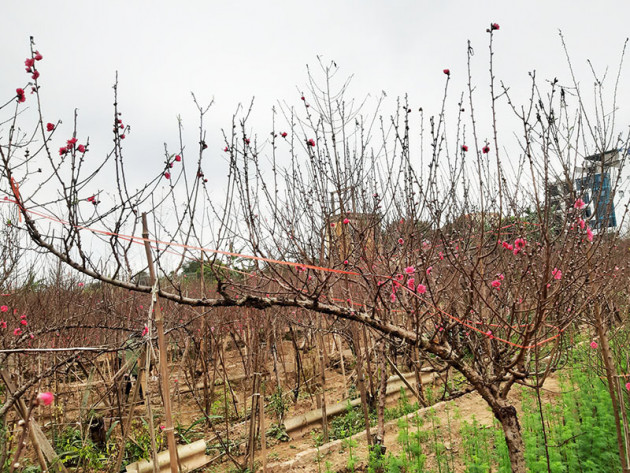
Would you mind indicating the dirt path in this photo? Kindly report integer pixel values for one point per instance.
(448, 419)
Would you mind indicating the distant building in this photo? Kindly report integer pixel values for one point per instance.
(595, 186)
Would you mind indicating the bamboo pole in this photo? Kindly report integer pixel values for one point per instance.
(204, 347)
(164, 374)
(132, 406)
(361, 383)
(322, 372)
(263, 437)
(404, 380)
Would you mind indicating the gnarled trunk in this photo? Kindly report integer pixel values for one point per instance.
(506, 414)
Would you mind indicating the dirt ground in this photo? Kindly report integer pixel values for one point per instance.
(299, 453)
(304, 459)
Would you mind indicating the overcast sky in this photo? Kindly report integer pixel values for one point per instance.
(234, 51)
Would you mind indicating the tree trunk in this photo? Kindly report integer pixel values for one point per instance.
(513, 436)
(609, 364)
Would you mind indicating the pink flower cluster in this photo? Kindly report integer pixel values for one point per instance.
(71, 144)
(517, 247)
(30, 69)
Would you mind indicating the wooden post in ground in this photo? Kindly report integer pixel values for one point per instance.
(322, 374)
(361, 382)
(132, 406)
(164, 375)
(263, 437)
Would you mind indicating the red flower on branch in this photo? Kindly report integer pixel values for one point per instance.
(50, 127)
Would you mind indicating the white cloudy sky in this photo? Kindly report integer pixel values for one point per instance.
(233, 51)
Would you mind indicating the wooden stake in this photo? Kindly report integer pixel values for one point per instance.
(322, 373)
(132, 406)
(403, 379)
(159, 325)
(263, 437)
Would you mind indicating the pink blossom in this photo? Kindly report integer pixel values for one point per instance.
(494, 26)
(581, 223)
(410, 270)
(3, 324)
(447, 72)
(20, 95)
(167, 175)
(393, 297)
(50, 126)
(441, 255)
(345, 262)
(311, 142)
(411, 284)
(400, 241)
(589, 234)
(46, 398)
(81, 284)
(464, 148)
(38, 56)
(23, 322)
(178, 158)
(485, 149)
(628, 386)
(421, 288)
(429, 269)
(579, 204)
(557, 274)
(501, 276)
(29, 62)
(4, 308)
(145, 330)
(593, 344)
(346, 221)
(35, 75)
(81, 148)
(400, 277)
(496, 284)
(17, 331)
(283, 134)
(520, 243)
